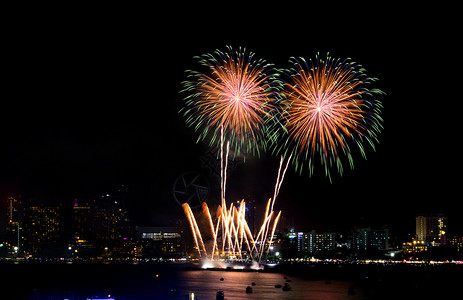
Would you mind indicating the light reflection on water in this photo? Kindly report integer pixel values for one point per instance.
(206, 283)
(130, 282)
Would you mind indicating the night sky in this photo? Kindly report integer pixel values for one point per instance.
(91, 102)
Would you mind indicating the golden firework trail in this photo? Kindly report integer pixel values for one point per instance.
(232, 224)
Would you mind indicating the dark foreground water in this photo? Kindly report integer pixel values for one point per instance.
(146, 281)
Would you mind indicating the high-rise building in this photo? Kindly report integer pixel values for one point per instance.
(431, 228)
(42, 227)
(102, 223)
(314, 242)
(110, 218)
(83, 232)
(365, 239)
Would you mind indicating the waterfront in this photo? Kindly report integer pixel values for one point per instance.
(175, 281)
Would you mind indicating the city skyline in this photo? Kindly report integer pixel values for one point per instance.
(93, 125)
(401, 227)
(102, 229)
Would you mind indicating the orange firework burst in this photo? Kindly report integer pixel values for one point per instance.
(328, 107)
(238, 94)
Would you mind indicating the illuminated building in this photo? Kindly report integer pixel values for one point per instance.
(42, 228)
(365, 239)
(161, 240)
(313, 242)
(414, 247)
(456, 241)
(159, 233)
(82, 229)
(431, 229)
(109, 218)
(292, 236)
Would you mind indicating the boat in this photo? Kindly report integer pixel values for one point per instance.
(219, 295)
(221, 278)
(286, 287)
(278, 286)
(253, 283)
(248, 290)
(173, 292)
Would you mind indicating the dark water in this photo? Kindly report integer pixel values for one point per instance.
(75, 281)
(146, 281)
(205, 284)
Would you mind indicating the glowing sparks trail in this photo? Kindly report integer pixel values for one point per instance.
(236, 233)
(273, 231)
(278, 183)
(232, 223)
(328, 107)
(194, 228)
(209, 218)
(280, 178)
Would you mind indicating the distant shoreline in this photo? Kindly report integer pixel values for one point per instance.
(344, 270)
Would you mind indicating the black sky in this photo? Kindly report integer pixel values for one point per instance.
(91, 102)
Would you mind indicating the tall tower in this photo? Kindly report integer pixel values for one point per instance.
(11, 209)
(14, 229)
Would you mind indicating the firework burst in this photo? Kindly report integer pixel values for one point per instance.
(237, 93)
(328, 110)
